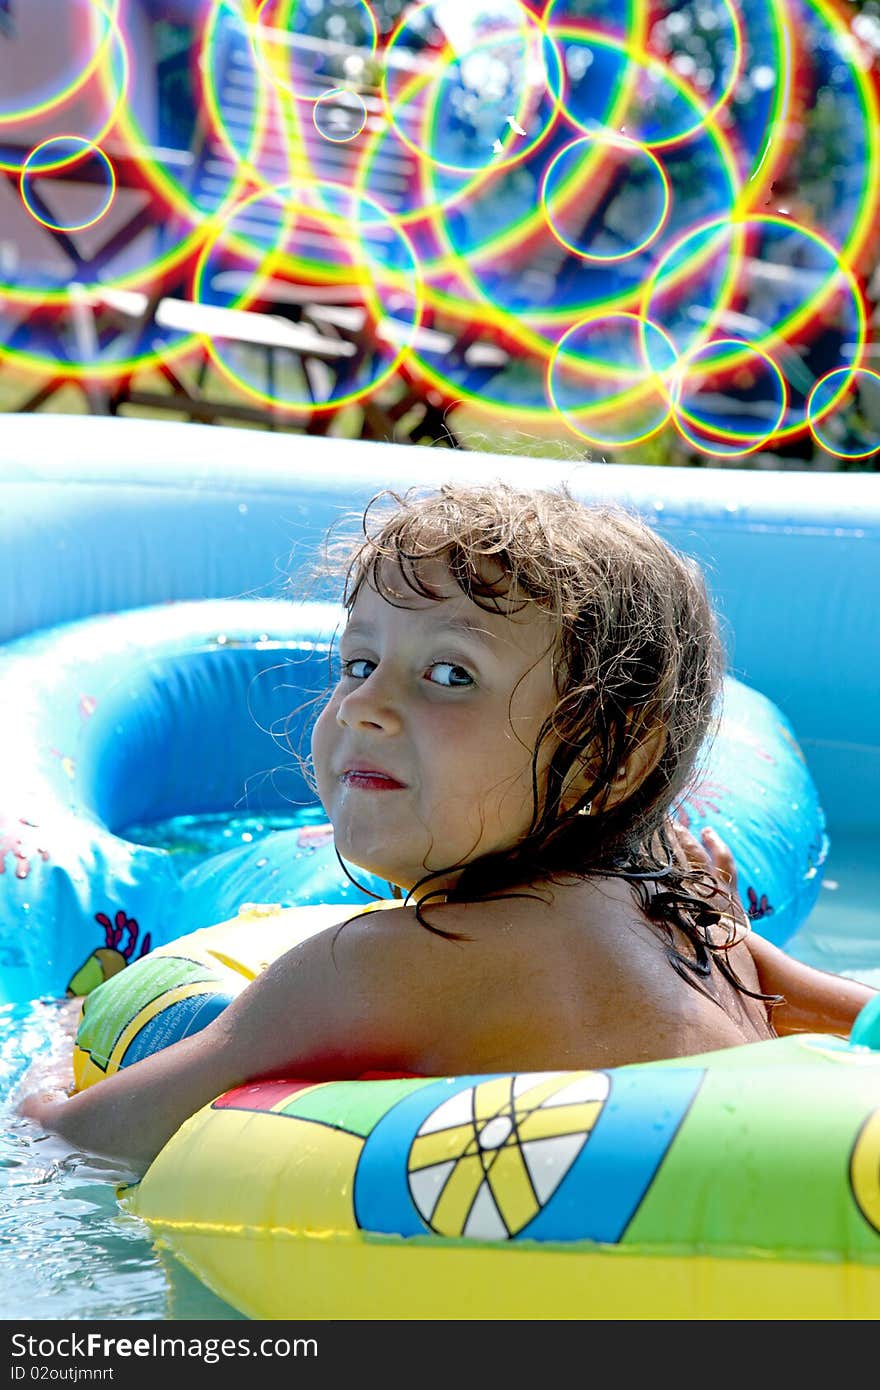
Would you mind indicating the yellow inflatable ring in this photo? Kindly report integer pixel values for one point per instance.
(673, 1189)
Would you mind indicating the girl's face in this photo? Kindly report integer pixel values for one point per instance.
(423, 755)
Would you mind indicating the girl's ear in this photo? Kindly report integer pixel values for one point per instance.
(640, 764)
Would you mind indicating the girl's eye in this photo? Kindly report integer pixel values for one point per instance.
(451, 675)
(353, 668)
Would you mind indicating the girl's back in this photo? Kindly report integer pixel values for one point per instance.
(570, 977)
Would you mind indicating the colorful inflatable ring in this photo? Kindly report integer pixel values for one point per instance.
(675, 1189)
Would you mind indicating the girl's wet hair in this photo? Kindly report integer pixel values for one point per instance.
(638, 662)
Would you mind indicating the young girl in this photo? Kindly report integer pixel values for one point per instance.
(526, 684)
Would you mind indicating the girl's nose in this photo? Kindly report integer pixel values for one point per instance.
(370, 705)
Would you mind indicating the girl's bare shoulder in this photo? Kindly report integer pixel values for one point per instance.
(580, 931)
(565, 977)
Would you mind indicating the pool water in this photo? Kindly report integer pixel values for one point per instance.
(67, 1251)
(842, 933)
(190, 840)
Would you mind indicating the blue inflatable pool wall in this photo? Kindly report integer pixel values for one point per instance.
(155, 661)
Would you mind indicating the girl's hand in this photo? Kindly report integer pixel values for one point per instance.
(44, 1087)
(48, 1082)
(43, 1107)
(711, 855)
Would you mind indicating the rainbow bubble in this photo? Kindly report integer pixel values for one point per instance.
(65, 152)
(267, 241)
(715, 385)
(611, 379)
(489, 75)
(606, 159)
(288, 36)
(339, 115)
(89, 27)
(89, 102)
(613, 81)
(843, 411)
(778, 287)
(610, 218)
(483, 239)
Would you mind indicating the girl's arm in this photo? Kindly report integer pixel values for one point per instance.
(333, 1006)
(131, 1115)
(814, 1001)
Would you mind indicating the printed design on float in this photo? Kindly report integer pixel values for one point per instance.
(706, 796)
(512, 1143)
(758, 907)
(262, 1097)
(352, 1107)
(159, 1000)
(538, 1156)
(743, 733)
(16, 843)
(864, 1170)
(107, 960)
(314, 836)
(791, 741)
(68, 764)
(817, 853)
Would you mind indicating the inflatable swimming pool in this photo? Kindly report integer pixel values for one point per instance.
(118, 581)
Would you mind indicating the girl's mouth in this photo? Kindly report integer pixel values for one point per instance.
(371, 780)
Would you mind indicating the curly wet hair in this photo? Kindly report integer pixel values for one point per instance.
(639, 663)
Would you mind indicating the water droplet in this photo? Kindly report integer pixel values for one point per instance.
(261, 863)
(243, 507)
(221, 639)
(247, 836)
